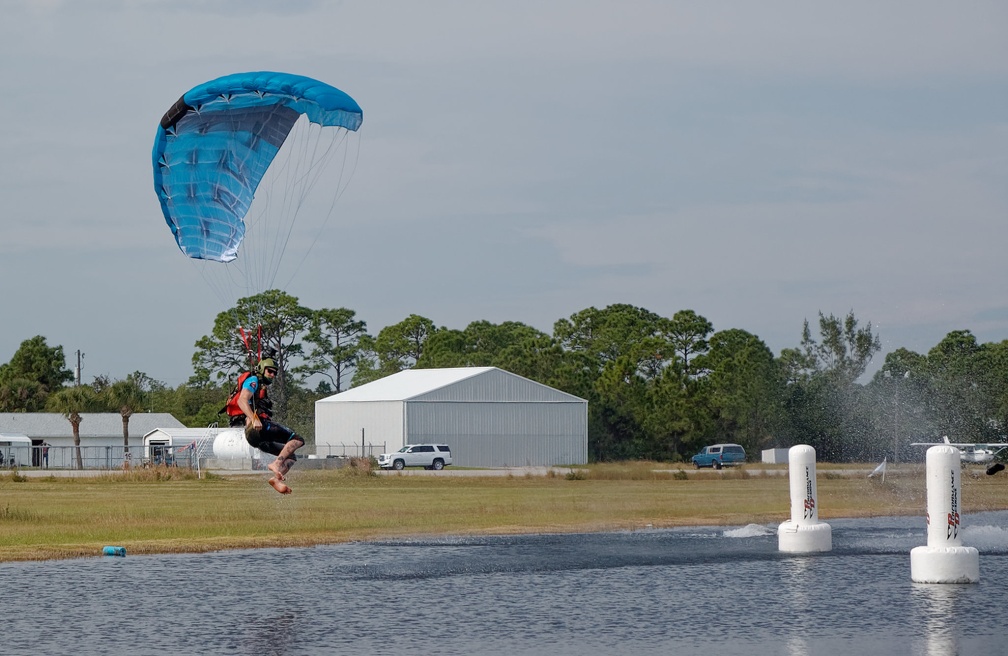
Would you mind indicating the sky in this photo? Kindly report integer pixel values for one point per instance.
(757, 163)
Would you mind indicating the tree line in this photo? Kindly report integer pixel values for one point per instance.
(657, 387)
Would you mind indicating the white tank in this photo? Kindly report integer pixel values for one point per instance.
(231, 443)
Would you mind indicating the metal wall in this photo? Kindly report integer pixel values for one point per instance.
(494, 419)
(341, 423)
(503, 434)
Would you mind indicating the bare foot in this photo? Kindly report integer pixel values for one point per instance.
(280, 486)
(275, 468)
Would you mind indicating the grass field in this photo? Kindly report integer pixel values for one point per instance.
(164, 511)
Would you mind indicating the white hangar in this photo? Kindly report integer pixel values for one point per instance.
(489, 417)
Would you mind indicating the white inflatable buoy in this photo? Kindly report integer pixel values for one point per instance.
(803, 533)
(944, 559)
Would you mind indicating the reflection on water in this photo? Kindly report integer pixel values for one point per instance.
(697, 590)
(936, 605)
(795, 581)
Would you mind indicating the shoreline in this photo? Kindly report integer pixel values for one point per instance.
(163, 512)
(45, 553)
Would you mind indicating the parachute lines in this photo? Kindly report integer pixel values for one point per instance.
(235, 161)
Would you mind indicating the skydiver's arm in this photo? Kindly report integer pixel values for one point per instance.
(245, 404)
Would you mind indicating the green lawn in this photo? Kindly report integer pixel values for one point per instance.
(172, 511)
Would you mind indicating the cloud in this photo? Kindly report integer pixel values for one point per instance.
(756, 162)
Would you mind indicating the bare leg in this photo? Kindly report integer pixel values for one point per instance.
(284, 461)
(286, 465)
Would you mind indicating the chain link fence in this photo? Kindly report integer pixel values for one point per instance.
(118, 457)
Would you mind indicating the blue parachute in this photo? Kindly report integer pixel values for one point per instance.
(214, 145)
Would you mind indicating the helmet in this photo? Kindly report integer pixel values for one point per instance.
(264, 364)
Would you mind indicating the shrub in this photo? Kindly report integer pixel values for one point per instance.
(576, 475)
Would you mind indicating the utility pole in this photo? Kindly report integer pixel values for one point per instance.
(897, 384)
(77, 371)
(895, 441)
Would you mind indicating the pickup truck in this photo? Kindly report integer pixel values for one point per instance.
(428, 456)
(719, 455)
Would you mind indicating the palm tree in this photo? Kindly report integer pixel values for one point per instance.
(126, 397)
(71, 402)
(22, 395)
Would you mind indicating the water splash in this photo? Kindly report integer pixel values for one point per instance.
(986, 538)
(749, 531)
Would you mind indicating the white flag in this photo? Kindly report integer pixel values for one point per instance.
(880, 470)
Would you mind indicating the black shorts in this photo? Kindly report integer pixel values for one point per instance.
(271, 438)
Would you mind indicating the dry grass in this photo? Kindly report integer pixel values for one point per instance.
(162, 511)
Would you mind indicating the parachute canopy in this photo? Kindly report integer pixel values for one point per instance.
(215, 144)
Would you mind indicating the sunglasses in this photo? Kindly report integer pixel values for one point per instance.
(270, 370)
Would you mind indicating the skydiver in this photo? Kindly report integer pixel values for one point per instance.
(261, 431)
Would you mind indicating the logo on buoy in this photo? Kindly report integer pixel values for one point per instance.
(809, 497)
(953, 516)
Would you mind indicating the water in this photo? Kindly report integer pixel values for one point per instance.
(681, 591)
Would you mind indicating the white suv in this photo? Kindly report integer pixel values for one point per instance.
(428, 456)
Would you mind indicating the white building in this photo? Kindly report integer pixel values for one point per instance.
(96, 428)
(489, 417)
(101, 434)
(775, 456)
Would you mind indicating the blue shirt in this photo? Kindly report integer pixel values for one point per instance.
(251, 384)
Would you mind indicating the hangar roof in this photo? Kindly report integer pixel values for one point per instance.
(407, 384)
(93, 424)
(412, 384)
